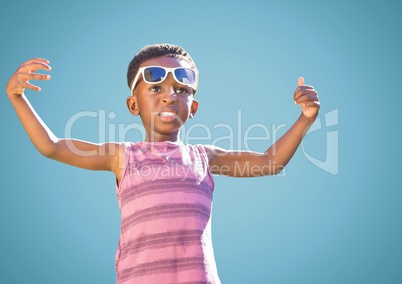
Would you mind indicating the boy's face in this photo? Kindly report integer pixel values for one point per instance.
(164, 107)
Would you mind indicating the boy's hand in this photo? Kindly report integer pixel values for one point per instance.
(20, 79)
(307, 98)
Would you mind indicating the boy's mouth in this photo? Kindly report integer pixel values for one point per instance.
(168, 115)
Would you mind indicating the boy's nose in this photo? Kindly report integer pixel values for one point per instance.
(170, 96)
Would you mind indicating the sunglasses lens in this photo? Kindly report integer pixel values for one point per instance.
(185, 75)
(154, 74)
(158, 74)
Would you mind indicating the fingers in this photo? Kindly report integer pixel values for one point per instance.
(307, 100)
(32, 66)
(23, 80)
(25, 77)
(302, 89)
(307, 97)
(26, 72)
(300, 81)
(315, 103)
(36, 59)
(305, 93)
(33, 76)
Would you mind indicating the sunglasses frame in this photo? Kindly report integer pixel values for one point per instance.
(168, 70)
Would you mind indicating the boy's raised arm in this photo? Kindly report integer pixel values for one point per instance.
(69, 151)
(273, 160)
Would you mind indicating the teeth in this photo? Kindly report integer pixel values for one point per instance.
(171, 114)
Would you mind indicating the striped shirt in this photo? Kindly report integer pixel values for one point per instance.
(165, 199)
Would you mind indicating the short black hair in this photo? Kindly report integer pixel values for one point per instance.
(153, 51)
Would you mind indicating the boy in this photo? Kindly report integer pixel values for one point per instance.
(164, 187)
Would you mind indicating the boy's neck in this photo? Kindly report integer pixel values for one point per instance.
(157, 137)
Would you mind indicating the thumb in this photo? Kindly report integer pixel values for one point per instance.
(300, 82)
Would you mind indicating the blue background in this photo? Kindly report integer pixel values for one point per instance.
(60, 224)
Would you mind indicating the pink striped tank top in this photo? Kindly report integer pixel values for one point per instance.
(165, 199)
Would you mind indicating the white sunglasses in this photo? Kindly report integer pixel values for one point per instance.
(157, 74)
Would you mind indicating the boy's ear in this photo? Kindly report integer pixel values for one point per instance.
(193, 109)
(132, 105)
